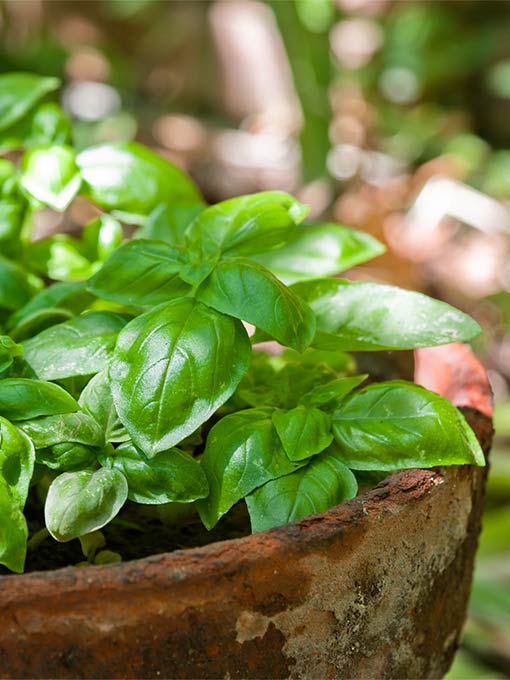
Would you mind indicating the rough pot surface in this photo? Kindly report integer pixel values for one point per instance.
(374, 588)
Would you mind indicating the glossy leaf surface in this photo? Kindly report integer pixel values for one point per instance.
(322, 484)
(81, 346)
(331, 393)
(22, 398)
(397, 424)
(172, 368)
(13, 531)
(169, 476)
(97, 400)
(67, 456)
(51, 176)
(246, 290)
(365, 316)
(81, 502)
(243, 452)
(320, 250)
(68, 427)
(17, 459)
(303, 431)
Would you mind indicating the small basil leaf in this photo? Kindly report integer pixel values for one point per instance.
(17, 286)
(8, 351)
(67, 456)
(48, 125)
(97, 400)
(102, 237)
(320, 250)
(22, 399)
(332, 392)
(72, 296)
(321, 485)
(168, 223)
(172, 368)
(51, 176)
(12, 213)
(39, 321)
(244, 289)
(242, 452)
(394, 425)
(366, 316)
(130, 180)
(19, 92)
(13, 531)
(81, 346)
(68, 427)
(140, 273)
(169, 476)
(246, 224)
(17, 458)
(59, 257)
(304, 432)
(81, 502)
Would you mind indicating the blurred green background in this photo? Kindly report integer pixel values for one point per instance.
(393, 117)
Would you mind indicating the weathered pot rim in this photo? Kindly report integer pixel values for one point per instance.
(450, 370)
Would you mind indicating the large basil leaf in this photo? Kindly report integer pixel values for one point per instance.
(67, 456)
(13, 531)
(97, 400)
(303, 431)
(140, 273)
(22, 399)
(9, 350)
(130, 180)
(365, 316)
(397, 424)
(246, 224)
(242, 452)
(320, 250)
(72, 296)
(17, 457)
(248, 291)
(81, 346)
(19, 92)
(51, 176)
(81, 502)
(322, 484)
(16, 285)
(169, 476)
(169, 223)
(331, 393)
(68, 427)
(172, 368)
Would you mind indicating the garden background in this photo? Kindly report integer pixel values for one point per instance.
(392, 117)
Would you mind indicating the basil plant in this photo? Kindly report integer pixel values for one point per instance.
(126, 369)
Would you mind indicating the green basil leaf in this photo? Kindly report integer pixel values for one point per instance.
(19, 92)
(13, 531)
(366, 316)
(320, 250)
(169, 223)
(81, 346)
(169, 476)
(12, 214)
(140, 273)
(67, 456)
(51, 176)
(242, 452)
(397, 424)
(39, 321)
(332, 392)
(321, 485)
(246, 224)
(67, 427)
(81, 502)
(59, 257)
(102, 237)
(97, 400)
(248, 291)
(16, 285)
(17, 458)
(8, 351)
(130, 180)
(71, 295)
(303, 431)
(22, 399)
(172, 368)
(49, 125)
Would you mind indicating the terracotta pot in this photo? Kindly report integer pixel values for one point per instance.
(374, 588)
